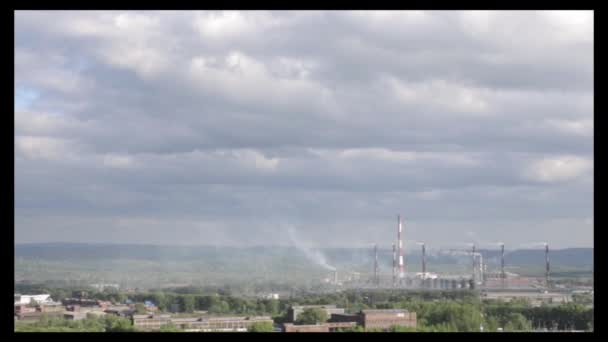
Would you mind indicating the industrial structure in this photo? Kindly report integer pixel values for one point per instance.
(401, 257)
(547, 265)
(394, 265)
(480, 275)
(376, 274)
(502, 264)
(203, 323)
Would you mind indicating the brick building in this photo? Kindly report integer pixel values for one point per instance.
(203, 323)
(290, 327)
(384, 319)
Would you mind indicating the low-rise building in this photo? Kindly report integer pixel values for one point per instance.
(202, 323)
(27, 299)
(377, 319)
(290, 327)
(36, 316)
(120, 310)
(22, 308)
(384, 319)
(323, 327)
(74, 316)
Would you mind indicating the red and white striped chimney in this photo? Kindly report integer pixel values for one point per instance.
(400, 242)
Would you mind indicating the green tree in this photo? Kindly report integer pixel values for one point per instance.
(400, 328)
(187, 303)
(140, 309)
(33, 303)
(517, 322)
(169, 327)
(261, 327)
(117, 324)
(312, 316)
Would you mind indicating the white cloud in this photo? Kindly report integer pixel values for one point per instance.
(429, 195)
(556, 169)
(317, 112)
(118, 161)
(572, 25)
(40, 123)
(42, 147)
(441, 95)
(231, 24)
(582, 127)
(386, 155)
(256, 159)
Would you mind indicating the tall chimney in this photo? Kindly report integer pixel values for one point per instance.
(423, 261)
(400, 242)
(394, 265)
(336, 277)
(474, 264)
(547, 265)
(482, 277)
(376, 277)
(502, 263)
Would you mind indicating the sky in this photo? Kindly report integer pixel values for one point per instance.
(235, 128)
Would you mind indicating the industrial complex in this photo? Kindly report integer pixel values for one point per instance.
(479, 277)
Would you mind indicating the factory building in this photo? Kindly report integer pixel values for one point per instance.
(27, 299)
(384, 319)
(377, 319)
(324, 327)
(290, 327)
(204, 323)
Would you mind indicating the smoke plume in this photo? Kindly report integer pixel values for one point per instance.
(313, 255)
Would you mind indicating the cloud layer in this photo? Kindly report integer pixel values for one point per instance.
(225, 127)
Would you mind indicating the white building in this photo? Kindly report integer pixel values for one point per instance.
(27, 299)
(272, 296)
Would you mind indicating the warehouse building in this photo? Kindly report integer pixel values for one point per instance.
(378, 319)
(324, 327)
(204, 323)
(384, 319)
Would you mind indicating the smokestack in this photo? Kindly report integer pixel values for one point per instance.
(400, 242)
(394, 265)
(336, 277)
(473, 255)
(423, 261)
(376, 277)
(547, 265)
(502, 263)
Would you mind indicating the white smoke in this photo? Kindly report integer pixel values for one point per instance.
(532, 245)
(313, 255)
(454, 252)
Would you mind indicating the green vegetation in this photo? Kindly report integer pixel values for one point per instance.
(249, 271)
(140, 308)
(170, 327)
(261, 327)
(312, 316)
(460, 310)
(108, 323)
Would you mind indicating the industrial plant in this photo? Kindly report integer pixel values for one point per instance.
(481, 276)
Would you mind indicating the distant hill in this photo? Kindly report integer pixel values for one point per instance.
(160, 264)
(77, 251)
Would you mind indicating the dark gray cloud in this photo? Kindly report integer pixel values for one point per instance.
(225, 127)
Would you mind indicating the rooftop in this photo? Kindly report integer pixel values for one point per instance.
(384, 311)
(329, 306)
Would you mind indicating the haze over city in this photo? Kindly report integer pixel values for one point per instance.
(237, 128)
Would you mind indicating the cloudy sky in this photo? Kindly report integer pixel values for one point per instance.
(234, 127)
